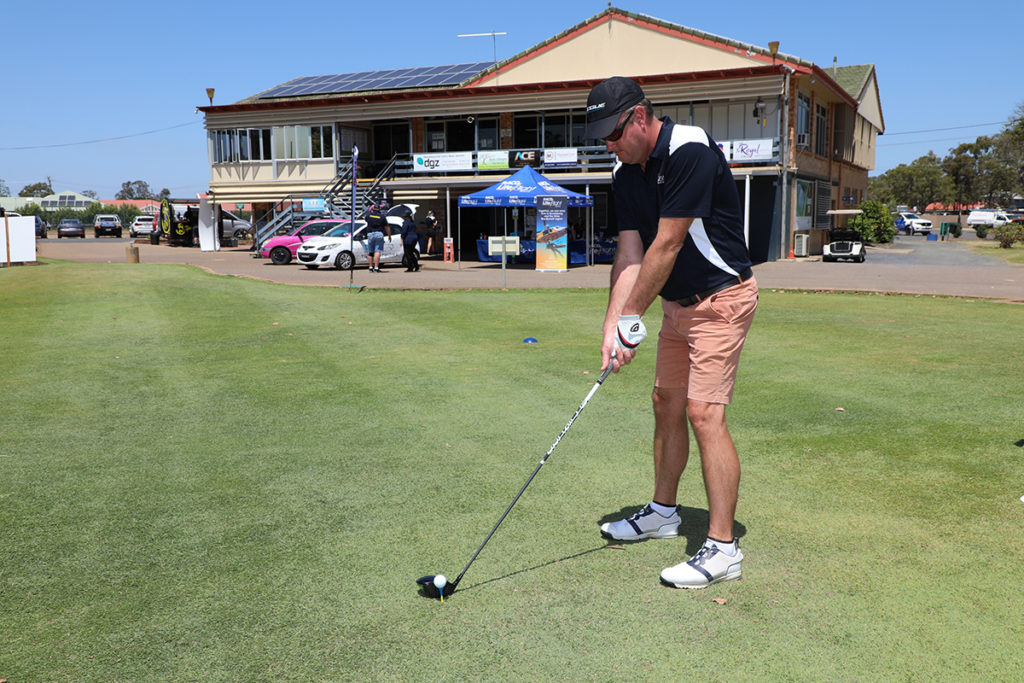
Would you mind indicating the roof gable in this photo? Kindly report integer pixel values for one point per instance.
(616, 42)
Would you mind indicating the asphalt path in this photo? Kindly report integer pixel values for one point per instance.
(910, 265)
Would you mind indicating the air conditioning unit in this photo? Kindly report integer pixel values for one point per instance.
(803, 140)
(801, 245)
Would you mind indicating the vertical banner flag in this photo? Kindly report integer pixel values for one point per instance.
(552, 233)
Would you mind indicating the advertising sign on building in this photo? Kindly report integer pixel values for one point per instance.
(489, 160)
(752, 150)
(561, 156)
(442, 161)
(313, 204)
(552, 233)
(524, 157)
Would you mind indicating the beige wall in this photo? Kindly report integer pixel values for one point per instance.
(616, 48)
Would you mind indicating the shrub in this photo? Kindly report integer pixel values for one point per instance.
(981, 231)
(1007, 234)
(875, 224)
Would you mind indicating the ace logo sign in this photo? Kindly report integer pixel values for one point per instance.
(524, 157)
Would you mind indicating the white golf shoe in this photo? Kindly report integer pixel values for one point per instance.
(644, 524)
(710, 565)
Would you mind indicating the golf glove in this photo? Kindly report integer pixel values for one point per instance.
(631, 331)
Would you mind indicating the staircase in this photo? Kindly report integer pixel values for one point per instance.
(337, 196)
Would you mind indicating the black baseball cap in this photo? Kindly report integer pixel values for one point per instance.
(608, 99)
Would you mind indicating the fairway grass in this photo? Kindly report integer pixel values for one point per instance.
(214, 478)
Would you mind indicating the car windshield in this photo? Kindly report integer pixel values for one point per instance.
(340, 231)
(912, 215)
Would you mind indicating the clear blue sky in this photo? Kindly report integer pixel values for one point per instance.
(76, 73)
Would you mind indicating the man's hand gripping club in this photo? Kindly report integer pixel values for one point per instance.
(628, 334)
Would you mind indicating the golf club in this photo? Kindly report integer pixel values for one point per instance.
(437, 586)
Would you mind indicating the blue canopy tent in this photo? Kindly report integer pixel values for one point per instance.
(519, 189)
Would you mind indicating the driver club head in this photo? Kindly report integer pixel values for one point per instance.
(429, 586)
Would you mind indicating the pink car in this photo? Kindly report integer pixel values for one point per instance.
(281, 249)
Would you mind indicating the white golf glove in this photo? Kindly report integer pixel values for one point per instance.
(631, 331)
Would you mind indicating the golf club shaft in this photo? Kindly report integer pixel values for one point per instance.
(593, 390)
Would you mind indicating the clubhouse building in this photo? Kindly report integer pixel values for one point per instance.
(800, 138)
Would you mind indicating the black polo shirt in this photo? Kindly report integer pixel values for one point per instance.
(686, 176)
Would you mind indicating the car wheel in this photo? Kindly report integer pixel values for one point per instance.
(58, 235)
(344, 261)
(863, 256)
(312, 266)
(280, 256)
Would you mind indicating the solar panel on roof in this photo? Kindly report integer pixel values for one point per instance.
(383, 79)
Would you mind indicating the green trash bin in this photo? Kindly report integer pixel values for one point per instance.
(944, 230)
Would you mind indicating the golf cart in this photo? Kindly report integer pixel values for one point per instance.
(843, 244)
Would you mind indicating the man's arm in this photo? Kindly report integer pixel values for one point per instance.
(628, 255)
(657, 264)
(638, 278)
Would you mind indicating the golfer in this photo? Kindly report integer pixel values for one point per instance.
(681, 236)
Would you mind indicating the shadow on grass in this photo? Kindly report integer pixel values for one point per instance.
(533, 568)
(693, 525)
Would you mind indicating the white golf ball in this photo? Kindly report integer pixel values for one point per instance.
(440, 581)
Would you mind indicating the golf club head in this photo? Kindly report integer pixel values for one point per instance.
(430, 590)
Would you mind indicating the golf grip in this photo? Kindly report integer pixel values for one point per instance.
(604, 375)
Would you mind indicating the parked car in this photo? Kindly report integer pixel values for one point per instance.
(281, 249)
(142, 225)
(913, 224)
(338, 250)
(235, 226)
(844, 244)
(70, 227)
(106, 224)
(987, 217)
(41, 227)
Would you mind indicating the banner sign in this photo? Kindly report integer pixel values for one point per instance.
(751, 150)
(313, 204)
(442, 161)
(492, 160)
(552, 233)
(524, 157)
(561, 156)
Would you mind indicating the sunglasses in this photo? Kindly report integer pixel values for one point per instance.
(617, 133)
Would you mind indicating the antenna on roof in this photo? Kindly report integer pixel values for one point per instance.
(494, 40)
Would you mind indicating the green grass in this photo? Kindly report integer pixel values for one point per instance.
(989, 247)
(211, 478)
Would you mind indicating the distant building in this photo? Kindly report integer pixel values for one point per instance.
(801, 138)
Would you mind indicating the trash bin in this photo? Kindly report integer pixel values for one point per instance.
(945, 229)
(154, 237)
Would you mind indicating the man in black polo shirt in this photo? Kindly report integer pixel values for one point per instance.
(681, 236)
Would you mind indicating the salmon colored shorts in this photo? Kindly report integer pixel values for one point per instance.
(699, 346)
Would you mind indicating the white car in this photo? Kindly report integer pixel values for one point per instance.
(142, 225)
(913, 224)
(336, 249)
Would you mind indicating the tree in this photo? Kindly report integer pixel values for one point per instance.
(875, 223)
(1010, 148)
(164, 194)
(4, 190)
(135, 189)
(37, 189)
(90, 193)
(961, 167)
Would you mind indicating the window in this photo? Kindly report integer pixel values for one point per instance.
(390, 139)
(246, 144)
(322, 141)
(487, 133)
(821, 130)
(526, 131)
(435, 136)
(556, 132)
(292, 142)
(803, 121)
